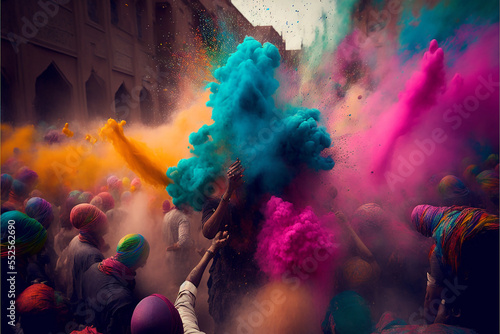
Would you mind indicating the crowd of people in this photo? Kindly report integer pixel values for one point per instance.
(65, 284)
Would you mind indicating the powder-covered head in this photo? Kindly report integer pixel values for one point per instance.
(369, 218)
(103, 201)
(426, 218)
(451, 187)
(126, 197)
(136, 184)
(132, 250)
(166, 206)
(41, 210)
(349, 313)
(30, 235)
(488, 180)
(85, 197)
(6, 185)
(27, 176)
(156, 314)
(88, 218)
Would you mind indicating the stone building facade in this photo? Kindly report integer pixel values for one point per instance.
(94, 59)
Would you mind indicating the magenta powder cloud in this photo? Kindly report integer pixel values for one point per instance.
(291, 240)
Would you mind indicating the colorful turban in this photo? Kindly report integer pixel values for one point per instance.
(6, 185)
(132, 250)
(491, 161)
(114, 183)
(126, 182)
(126, 197)
(350, 313)
(103, 201)
(27, 176)
(85, 197)
(470, 173)
(29, 234)
(451, 227)
(87, 218)
(86, 330)
(451, 186)
(52, 137)
(136, 184)
(19, 190)
(488, 180)
(156, 314)
(41, 210)
(39, 298)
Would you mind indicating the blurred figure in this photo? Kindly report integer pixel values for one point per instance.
(84, 250)
(234, 272)
(347, 313)
(108, 286)
(176, 230)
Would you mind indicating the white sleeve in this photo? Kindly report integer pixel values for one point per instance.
(185, 305)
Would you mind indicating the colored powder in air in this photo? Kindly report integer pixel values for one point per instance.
(289, 236)
(420, 95)
(272, 144)
(138, 156)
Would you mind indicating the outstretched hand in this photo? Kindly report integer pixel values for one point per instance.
(235, 175)
(219, 241)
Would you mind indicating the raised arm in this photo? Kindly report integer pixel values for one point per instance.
(217, 243)
(234, 175)
(361, 248)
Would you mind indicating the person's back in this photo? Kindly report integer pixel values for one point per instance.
(177, 237)
(109, 302)
(108, 286)
(83, 255)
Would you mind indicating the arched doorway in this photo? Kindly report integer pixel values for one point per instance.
(52, 96)
(96, 97)
(122, 103)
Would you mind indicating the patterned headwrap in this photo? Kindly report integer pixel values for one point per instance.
(451, 227)
(39, 298)
(27, 234)
(156, 314)
(488, 180)
(103, 201)
(132, 251)
(451, 186)
(41, 210)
